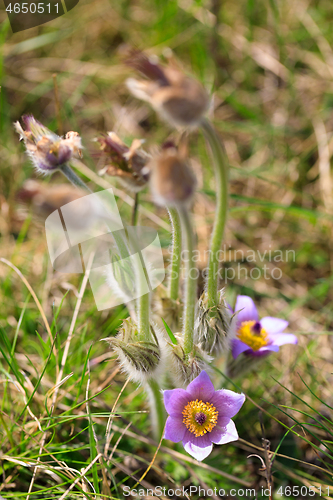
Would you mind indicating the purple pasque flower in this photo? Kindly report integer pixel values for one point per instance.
(200, 416)
(47, 150)
(257, 337)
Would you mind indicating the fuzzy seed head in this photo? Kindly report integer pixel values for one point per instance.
(47, 151)
(178, 99)
(172, 180)
(184, 370)
(141, 360)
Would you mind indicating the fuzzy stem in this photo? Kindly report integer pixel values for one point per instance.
(221, 176)
(157, 408)
(76, 181)
(142, 279)
(143, 306)
(190, 282)
(73, 178)
(175, 255)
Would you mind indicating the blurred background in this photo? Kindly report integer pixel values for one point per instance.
(269, 68)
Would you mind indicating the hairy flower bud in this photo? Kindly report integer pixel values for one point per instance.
(178, 98)
(128, 164)
(214, 327)
(141, 360)
(172, 180)
(47, 150)
(186, 368)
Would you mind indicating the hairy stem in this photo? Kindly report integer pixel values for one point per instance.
(76, 181)
(73, 178)
(143, 309)
(190, 281)
(221, 176)
(175, 255)
(157, 408)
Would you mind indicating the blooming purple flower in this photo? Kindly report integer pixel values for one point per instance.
(47, 150)
(257, 337)
(200, 416)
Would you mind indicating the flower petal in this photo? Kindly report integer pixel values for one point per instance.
(273, 325)
(174, 429)
(197, 447)
(237, 347)
(201, 387)
(263, 351)
(283, 338)
(249, 311)
(175, 400)
(227, 403)
(223, 435)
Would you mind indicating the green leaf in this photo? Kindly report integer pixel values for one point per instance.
(169, 332)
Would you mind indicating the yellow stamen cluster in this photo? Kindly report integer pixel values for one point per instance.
(250, 337)
(200, 417)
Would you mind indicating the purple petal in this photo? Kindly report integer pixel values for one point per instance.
(201, 387)
(283, 338)
(175, 400)
(227, 403)
(174, 429)
(249, 311)
(273, 325)
(269, 347)
(64, 154)
(197, 447)
(263, 351)
(223, 435)
(238, 347)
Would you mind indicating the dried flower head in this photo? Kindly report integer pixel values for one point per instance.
(128, 164)
(186, 368)
(200, 416)
(47, 150)
(178, 98)
(141, 360)
(214, 327)
(172, 180)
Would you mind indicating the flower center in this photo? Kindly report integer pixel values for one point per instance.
(252, 334)
(200, 417)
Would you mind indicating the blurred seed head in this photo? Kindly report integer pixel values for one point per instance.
(128, 164)
(172, 180)
(140, 360)
(47, 150)
(179, 99)
(45, 198)
(214, 328)
(183, 370)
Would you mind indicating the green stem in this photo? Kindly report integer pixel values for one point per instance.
(175, 255)
(143, 307)
(135, 212)
(190, 281)
(76, 181)
(73, 178)
(221, 176)
(157, 409)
